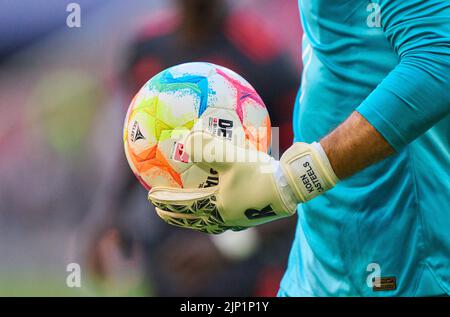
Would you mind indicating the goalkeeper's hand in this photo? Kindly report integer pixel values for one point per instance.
(253, 187)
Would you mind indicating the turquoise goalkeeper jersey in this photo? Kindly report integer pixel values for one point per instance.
(386, 230)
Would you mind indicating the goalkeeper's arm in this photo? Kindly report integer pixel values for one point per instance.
(252, 192)
(354, 145)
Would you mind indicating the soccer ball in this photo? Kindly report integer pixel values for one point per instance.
(191, 96)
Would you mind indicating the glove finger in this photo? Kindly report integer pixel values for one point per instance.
(215, 152)
(177, 196)
(190, 221)
(200, 202)
(190, 208)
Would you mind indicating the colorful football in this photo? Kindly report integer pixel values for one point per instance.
(191, 96)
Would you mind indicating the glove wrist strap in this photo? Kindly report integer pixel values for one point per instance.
(308, 170)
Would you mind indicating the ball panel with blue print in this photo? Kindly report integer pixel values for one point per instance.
(182, 98)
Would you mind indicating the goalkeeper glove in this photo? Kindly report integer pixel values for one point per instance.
(253, 187)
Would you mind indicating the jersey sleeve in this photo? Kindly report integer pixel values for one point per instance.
(415, 95)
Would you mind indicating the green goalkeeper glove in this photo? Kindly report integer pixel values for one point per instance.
(253, 187)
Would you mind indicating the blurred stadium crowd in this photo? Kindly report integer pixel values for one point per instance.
(66, 193)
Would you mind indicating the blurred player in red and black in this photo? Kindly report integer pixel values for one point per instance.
(206, 30)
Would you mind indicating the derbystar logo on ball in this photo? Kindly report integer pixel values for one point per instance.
(221, 127)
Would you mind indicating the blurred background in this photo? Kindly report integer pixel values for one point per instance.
(66, 192)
